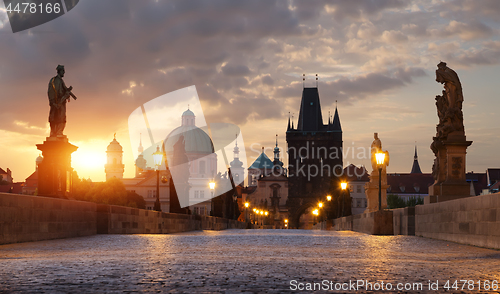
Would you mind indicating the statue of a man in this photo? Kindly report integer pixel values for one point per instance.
(375, 148)
(58, 94)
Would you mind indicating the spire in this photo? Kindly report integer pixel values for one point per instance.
(415, 169)
(236, 149)
(276, 160)
(336, 121)
(140, 149)
(288, 128)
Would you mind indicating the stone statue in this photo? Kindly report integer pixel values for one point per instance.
(375, 148)
(449, 105)
(450, 144)
(58, 94)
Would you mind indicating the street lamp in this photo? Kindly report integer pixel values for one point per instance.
(380, 157)
(246, 207)
(157, 158)
(343, 185)
(212, 188)
(286, 223)
(329, 197)
(320, 205)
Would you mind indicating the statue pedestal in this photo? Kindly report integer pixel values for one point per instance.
(371, 191)
(54, 172)
(449, 170)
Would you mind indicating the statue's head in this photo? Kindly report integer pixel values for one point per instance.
(439, 72)
(60, 70)
(375, 136)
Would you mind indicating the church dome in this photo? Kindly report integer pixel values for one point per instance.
(188, 113)
(39, 159)
(114, 146)
(195, 139)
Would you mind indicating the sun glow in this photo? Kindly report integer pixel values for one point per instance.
(89, 162)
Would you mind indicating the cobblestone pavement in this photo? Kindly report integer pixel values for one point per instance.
(234, 261)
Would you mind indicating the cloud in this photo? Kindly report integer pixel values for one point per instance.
(394, 37)
(235, 70)
(467, 31)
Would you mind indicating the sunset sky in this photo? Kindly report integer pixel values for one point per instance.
(246, 59)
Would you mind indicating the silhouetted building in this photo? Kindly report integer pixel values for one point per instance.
(314, 156)
(415, 169)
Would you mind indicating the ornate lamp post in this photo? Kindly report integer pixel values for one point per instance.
(380, 157)
(212, 188)
(343, 185)
(157, 158)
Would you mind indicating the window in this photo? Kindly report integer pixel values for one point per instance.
(202, 210)
(196, 194)
(202, 194)
(351, 188)
(358, 188)
(358, 202)
(151, 193)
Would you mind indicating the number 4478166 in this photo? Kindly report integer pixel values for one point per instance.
(471, 285)
(34, 8)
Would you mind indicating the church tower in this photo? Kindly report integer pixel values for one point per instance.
(415, 169)
(114, 167)
(140, 162)
(314, 156)
(237, 169)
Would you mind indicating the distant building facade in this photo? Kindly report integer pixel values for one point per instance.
(268, 188)
(356, 178)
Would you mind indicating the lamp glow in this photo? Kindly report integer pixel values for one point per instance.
(343, 185)
(380, 157)
(286, 221)
(329, 198)
(247, 204)
(157, 156)
(320, 204)
(266, 213)
(315, 212)
(211, 185)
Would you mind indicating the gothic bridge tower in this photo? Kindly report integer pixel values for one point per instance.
(314, 156)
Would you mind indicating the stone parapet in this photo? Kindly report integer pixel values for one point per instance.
(33, 218)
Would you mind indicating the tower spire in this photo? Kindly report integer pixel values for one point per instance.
(140, 149)
(336, 120)
(288, 128)
(415, 169)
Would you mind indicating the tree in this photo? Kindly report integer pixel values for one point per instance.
(394, 201)
(111, 192)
